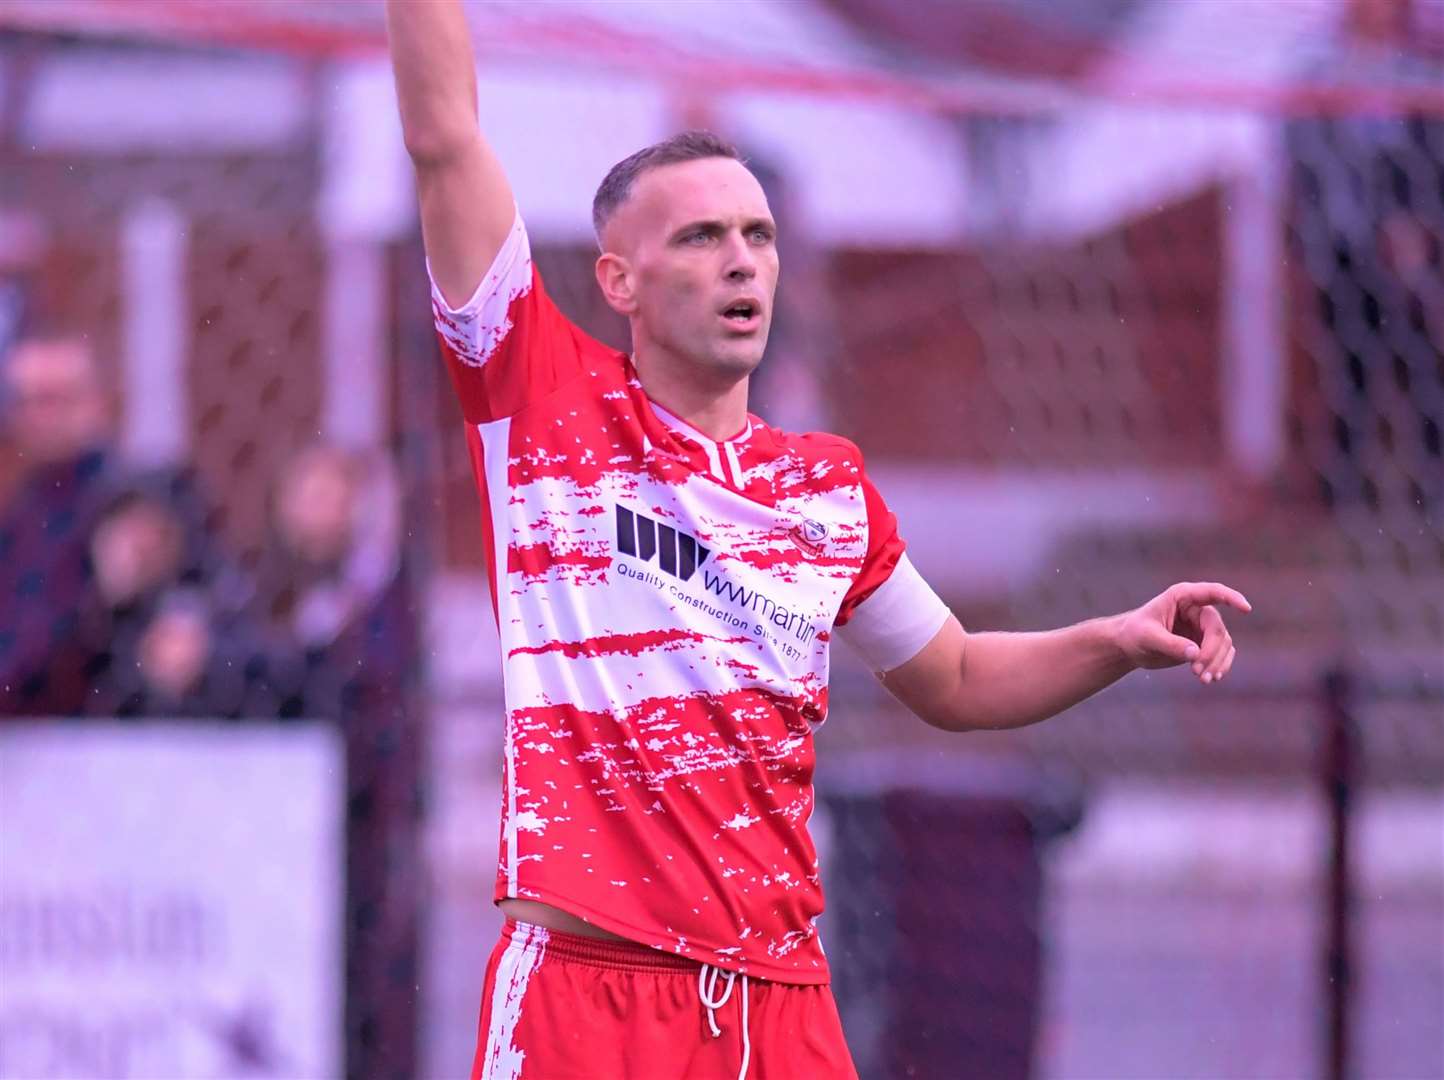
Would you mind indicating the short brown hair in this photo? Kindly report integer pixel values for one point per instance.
(688, 146)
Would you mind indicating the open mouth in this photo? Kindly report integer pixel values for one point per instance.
(742, 313)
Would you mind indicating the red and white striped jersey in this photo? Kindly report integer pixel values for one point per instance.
(665, 604)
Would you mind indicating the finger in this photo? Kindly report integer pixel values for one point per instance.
(1227, 664)
(1213, 640)
(1167, 646)
(1214, 671)
(1199, 593)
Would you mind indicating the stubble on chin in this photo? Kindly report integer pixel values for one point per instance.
(730, 362)
(713, 359)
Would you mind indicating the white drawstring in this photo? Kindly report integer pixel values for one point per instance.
(707, 994)
(707, 991)
(746, 1042)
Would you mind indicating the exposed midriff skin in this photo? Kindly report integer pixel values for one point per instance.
(553, 918)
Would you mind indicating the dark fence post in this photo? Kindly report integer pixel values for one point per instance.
(1338, 773)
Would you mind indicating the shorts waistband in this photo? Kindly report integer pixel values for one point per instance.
(596, 952)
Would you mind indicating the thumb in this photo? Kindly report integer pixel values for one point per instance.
(1157, 640)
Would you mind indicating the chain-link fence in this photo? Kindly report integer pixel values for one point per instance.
(182, 538)
(1161, 345)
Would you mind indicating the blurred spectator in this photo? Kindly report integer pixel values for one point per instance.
(163, 624)
(1370, 220)
(58, 420)
(22, 242)
(332, 584)
(136, 549)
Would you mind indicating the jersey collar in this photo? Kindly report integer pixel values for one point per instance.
(681, 427)
(722, 457)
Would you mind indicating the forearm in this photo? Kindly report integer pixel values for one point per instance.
(435, 75)
(961, 681)
(466, 204)
(1010, 680)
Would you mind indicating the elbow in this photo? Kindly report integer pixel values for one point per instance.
(967, 713)
(436, 147)
(953, 717)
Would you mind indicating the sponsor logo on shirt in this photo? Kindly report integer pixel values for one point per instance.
(676, 552)
(679, 555)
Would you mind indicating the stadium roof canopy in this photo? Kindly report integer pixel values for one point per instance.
(1125, 105)
(986, 56)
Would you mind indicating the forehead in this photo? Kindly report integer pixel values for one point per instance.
(707, 189)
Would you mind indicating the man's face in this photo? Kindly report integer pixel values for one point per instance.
(136, 549)
(698, 244)
(315, 506)
(57, 408)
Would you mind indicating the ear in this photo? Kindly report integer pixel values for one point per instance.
(614, 276)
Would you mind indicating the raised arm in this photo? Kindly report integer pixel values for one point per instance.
(467, 206)
(964, 681)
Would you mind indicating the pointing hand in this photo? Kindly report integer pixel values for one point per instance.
(1182, 625)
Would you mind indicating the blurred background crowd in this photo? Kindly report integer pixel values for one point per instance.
(126, 602)
(123, 600)
(1111, 293)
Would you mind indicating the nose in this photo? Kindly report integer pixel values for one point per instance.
(741, 262)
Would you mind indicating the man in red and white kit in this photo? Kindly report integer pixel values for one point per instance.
(668, 573)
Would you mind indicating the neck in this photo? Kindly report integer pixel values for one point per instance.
(717, 407)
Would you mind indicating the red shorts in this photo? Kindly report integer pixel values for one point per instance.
(564, 1007)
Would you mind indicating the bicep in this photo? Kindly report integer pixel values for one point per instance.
(929, 684)
(467, 210)
(907, 634)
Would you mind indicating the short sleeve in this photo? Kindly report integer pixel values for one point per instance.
(508, 345)
(884, 549)
(890, 613)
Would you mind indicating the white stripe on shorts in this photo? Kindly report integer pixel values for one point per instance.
(522, 956)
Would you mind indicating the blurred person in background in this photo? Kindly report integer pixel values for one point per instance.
(164, 623)
(331, 588)
(58, 421)
(1410, 241)
(667, 573)
(1369, 218)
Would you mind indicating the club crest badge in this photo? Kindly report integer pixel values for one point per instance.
(809, 536)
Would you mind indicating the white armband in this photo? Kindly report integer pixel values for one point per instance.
(901, 616)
